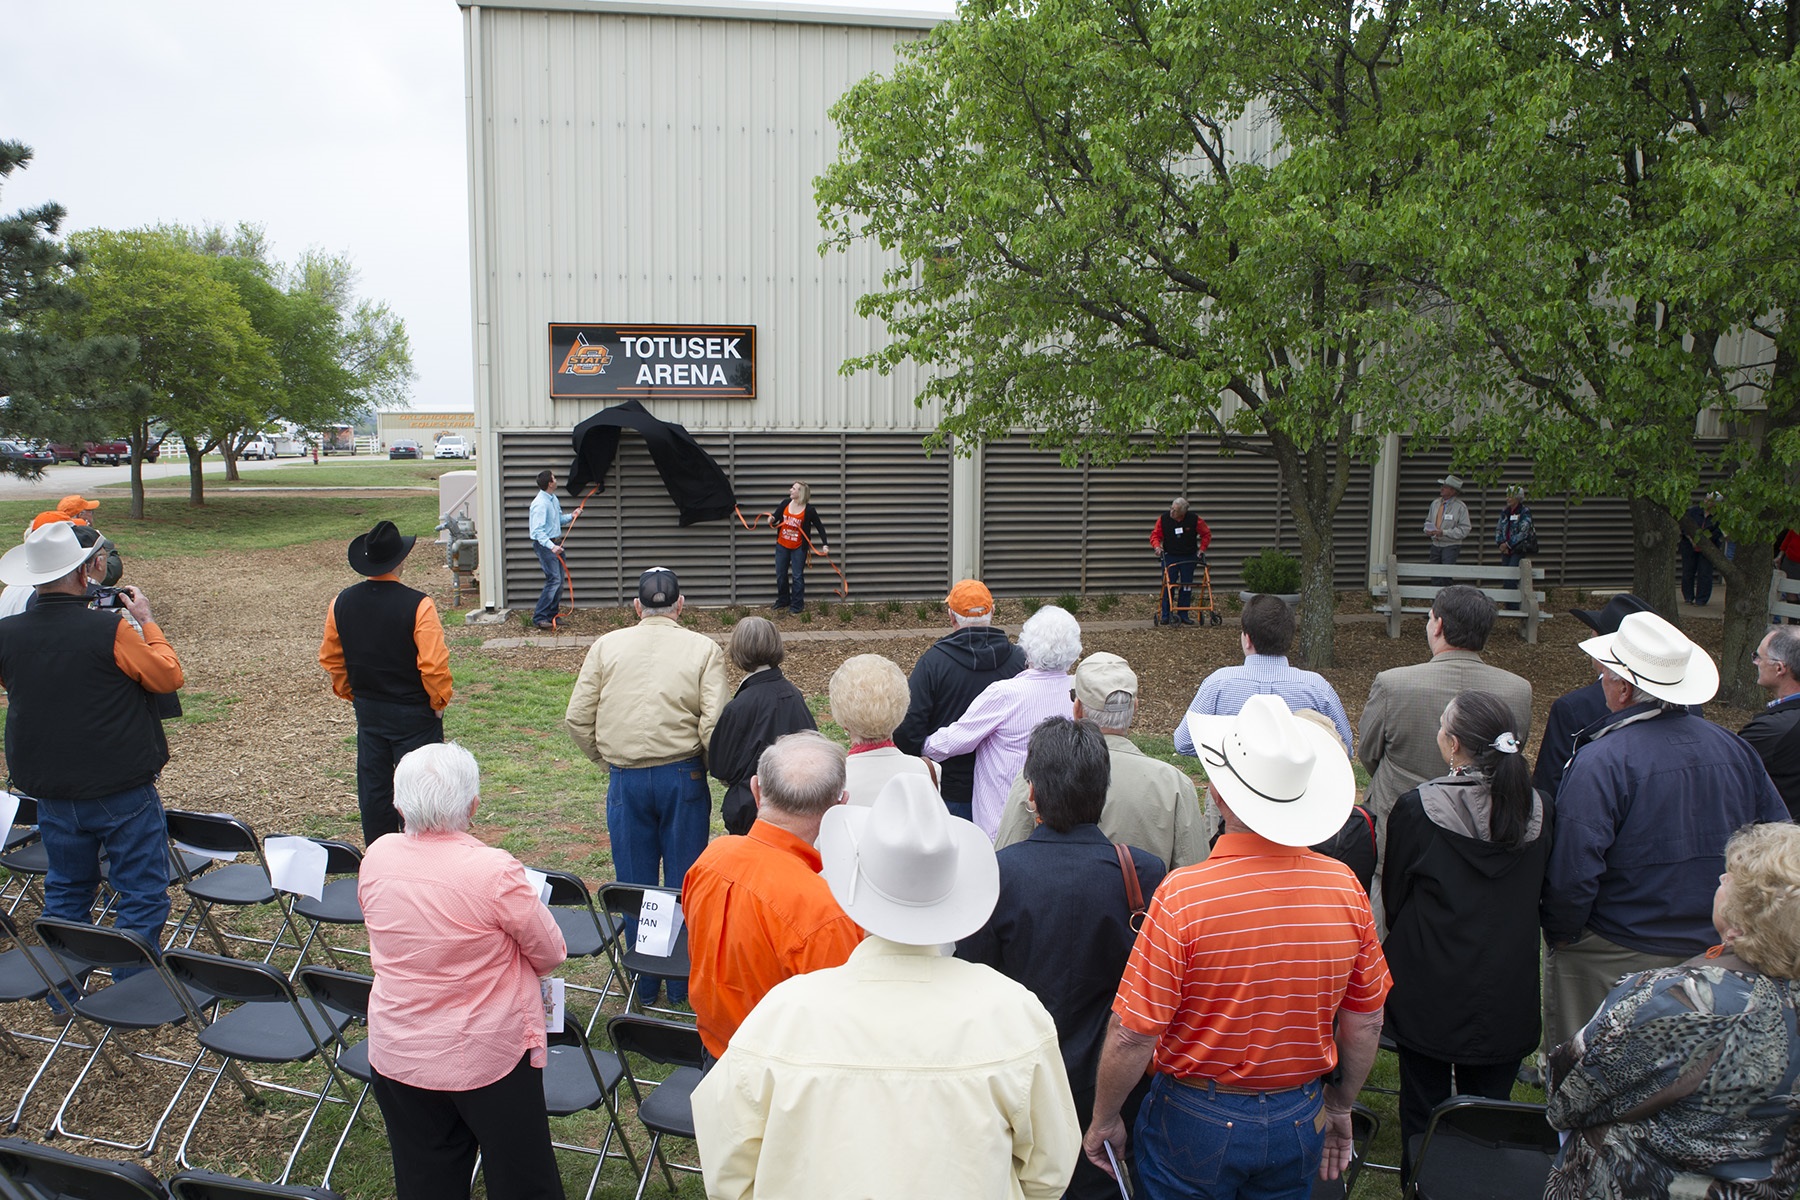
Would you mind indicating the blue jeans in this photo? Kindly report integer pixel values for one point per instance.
(790, 562)
(1194, 1143)
(549, 601)
(131, 828)
(657, 817)
(1179, 571)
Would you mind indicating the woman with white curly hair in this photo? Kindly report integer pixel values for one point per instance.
(998, 724)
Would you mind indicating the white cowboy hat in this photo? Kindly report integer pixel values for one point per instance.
(1451, 481)
(905, 869)
(1658, 658)
(47, 554)
(1287, 779)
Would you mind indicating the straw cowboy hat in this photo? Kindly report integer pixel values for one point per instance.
(1658, 658)
(1287, 779)
(46, 555)
(905, 869)
(1451, 481)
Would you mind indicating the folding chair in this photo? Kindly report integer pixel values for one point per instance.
(337, 903)
(210, 1185)
(1364, 1125)
(270, 1025)
(237, 885)
(25, 857)
(1480, 1149)
(46, 1173)
(622, 902)
(28, 974)
(347, 993)
(587, 932)
(146, 1000)
(668, 1110)
(578, 1078)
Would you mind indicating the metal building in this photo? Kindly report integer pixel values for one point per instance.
(645, 169)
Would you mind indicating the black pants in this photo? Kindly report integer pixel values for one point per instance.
(1425, 1083)
(385, 734)
(434, 1137)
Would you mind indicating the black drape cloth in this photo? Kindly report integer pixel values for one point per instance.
(696, 484)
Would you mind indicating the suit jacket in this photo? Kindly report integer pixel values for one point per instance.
(1398, 737)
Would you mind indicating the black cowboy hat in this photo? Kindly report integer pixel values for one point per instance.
(380, 550)
(1606, 620)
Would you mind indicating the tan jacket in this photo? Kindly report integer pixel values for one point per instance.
(647, 695)
(1149, 804)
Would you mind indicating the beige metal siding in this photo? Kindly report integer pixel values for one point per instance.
(885, 505)
(1047, 529)
(659, 169)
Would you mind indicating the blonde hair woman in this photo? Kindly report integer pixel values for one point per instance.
(868, 700)
(795, 522)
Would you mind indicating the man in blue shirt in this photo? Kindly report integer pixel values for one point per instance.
(1268, 632)
(548, 521)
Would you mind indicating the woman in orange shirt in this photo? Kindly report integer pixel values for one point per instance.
(793, 523)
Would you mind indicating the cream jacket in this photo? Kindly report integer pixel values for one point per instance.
(1149, 804)
(898, 1075)
(647, 695)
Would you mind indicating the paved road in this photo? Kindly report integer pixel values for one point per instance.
(66, 478)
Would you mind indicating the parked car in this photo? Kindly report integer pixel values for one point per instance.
(451, 446)
(404, 450)
(19, 452)
(261, 448)
(112, 452)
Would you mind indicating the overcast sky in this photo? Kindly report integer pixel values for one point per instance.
(331, 123)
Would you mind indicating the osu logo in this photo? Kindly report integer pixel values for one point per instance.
(585, 358)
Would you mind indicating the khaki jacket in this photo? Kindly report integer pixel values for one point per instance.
(647, 695)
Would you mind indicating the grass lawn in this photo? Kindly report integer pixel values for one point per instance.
(235, 521)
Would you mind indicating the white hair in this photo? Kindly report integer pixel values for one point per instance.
(963, 622)
(1051, 639)
(435, 786)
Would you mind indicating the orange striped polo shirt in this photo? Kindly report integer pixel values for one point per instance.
(1244, 960)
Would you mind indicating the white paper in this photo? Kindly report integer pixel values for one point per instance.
(296, 865)
(550, 991)
(9, 810)
(221, 855)
(540, 883)
(659, 923)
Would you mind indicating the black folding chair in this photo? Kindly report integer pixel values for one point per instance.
(587, 932)
(348, 993)
(337, 903)
(1480, 1149)
(28, 974)
(271, 1024)
(578, 1078)
(149, 999)
(1364, 1125)
(24, 857)
(622, 902)
(667, 1111)
(47, 1173)
(210, 1185)
(236, 885)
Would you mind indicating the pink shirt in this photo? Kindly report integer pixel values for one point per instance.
(997, 728)
(458, 938)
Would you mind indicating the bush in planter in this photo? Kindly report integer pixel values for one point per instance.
(1274, 572)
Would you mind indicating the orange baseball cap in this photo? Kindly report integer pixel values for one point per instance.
(49, 518)
(970, 598)
(73, 506)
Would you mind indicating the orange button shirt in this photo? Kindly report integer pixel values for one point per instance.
(757, 912)
(1244, 960)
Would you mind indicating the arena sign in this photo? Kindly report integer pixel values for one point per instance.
(652, 361)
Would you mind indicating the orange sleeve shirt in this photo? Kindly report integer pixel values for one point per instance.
(428, 636)
(756, 912)
(1244, 961)
(148, 659)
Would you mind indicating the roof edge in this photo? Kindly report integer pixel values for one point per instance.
(746, 10)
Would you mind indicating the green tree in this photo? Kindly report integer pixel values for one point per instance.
(44, 377)
(196, 349)
(1090, 250)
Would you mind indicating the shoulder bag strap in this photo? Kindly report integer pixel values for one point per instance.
(1134, 891)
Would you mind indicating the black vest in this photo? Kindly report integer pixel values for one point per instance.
(77, 727)
(1181, 539)
(375, 626)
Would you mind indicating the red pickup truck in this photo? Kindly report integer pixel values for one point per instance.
(111, 452)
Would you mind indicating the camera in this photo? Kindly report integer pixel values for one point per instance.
(110, 597)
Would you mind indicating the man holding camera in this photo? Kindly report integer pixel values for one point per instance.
(82, 733)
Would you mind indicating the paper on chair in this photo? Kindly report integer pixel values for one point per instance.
(221, 855)
(296, 865)
(540, 883)
(9, 810)
(551, 992)
(659, 923)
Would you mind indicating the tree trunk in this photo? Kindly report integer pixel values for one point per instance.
(1746, 579)
(140, 440)
(1311, 480)
(1655, 539)
(230, 453)
(196, 469)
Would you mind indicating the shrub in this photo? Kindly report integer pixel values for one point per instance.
(1069, 602)
(845, 615)
(892, 606)
(1272, 571)
(806, 618)
(1107, 602)
(925, 612)
(859, 609)
(728, 618)
(824, 609)
(1030, 604)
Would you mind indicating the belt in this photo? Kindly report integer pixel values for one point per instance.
(1202, 1084)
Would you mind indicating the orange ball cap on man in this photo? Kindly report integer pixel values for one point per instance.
(76, 508)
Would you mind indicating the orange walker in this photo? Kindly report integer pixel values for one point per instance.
(1200, 596)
